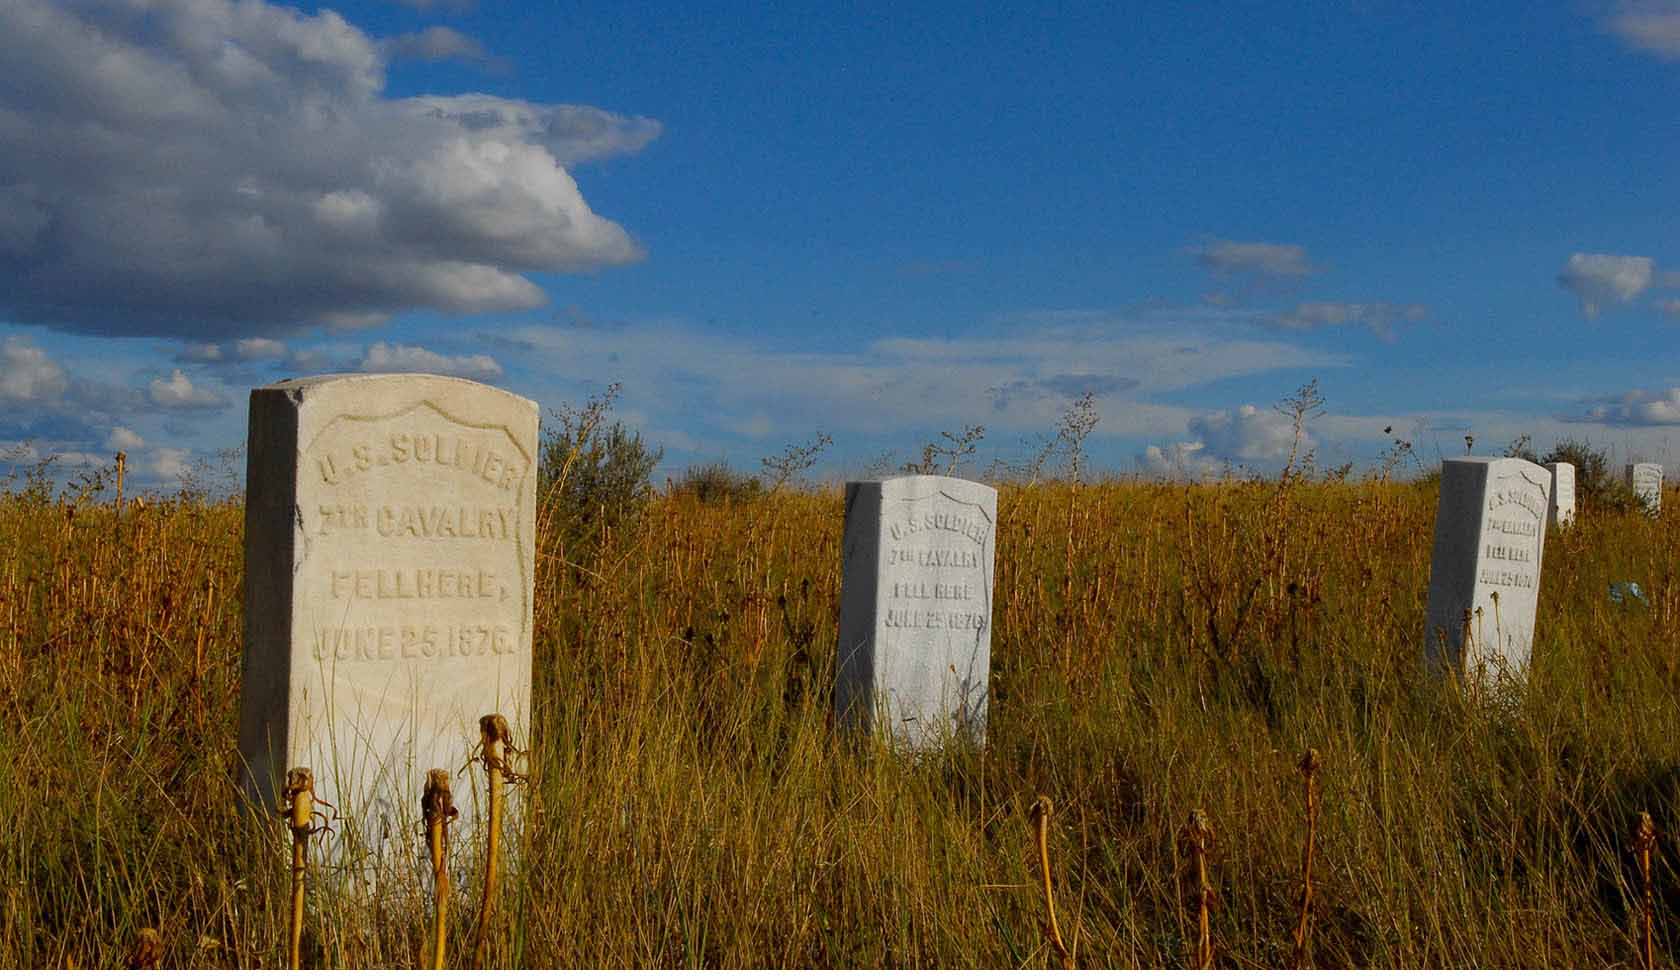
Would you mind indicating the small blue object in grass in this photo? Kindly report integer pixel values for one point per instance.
(1619, 590)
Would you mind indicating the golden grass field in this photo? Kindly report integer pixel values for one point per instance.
(1157, 649)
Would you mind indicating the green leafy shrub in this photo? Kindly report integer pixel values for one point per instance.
(593, 478)
(715, 482)
(1596, 487)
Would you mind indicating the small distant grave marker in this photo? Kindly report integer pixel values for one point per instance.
(916, 608)
(1484, 579)
(389, 555)
(1646, 480)
(1563, 493)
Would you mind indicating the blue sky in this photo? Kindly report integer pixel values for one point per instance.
(880, 222)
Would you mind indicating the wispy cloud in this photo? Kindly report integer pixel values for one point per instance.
(445, 6)
(383, 357)
(1379, 318)
(438, 43)
(1651, 26)
(241, 351)
(235, 170)
(1013, 376)
(1274, 259)
(246, 361)
(27, 453)
(570, 133)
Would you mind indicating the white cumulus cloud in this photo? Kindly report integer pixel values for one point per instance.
(27, 374)
(124, 440)
(1637, 408)
(1249, 434)
(383, 357)
(1178, 461)
(1222, 439)
(232, 168)
(1601, 280)
(167, 464)
(179, 393)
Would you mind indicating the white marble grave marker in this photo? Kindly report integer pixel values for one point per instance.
(1646, 481)
(389, 545)
(1490, 531)
(1563, 493)
(916, 608)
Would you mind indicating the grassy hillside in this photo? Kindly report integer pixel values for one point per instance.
(1156, 649)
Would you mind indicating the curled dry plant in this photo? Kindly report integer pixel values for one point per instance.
(494, 747)
(297, 807)
(437, 806)
(148, 950)
(1197, 839)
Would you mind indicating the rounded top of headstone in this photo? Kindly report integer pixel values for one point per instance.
(917, 482)
(1494, 462)
(300, 388)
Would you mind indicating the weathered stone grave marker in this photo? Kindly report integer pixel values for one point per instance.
(389, 553)
(916, 608)
(1563, 494)
(1646, 481)
(1484, 579)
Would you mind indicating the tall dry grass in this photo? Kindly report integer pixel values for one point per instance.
(1156, 650)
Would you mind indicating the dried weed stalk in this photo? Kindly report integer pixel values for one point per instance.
(1040, 814)
(1644, 842)
(1197, 839)
(1303, 932)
